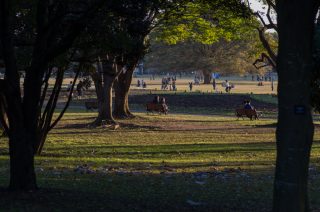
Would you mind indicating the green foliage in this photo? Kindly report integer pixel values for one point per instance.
(229, 57)
(200, 23)
(203, 36)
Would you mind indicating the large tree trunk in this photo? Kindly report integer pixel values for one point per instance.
(21, 143)
(122, 87)
(295, 126)
(107, 92)
(104, 96)
(207, 77)
(22, 174)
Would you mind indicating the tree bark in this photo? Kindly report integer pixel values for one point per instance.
(22, 174)
(207, 77)
(104, 96)
(295, 128)
(122, 88)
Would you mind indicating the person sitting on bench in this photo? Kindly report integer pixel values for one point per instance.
(247, 105)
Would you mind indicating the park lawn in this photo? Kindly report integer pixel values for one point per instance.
(176, 162)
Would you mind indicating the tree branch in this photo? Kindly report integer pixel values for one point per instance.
(263, 58)
(68, 100)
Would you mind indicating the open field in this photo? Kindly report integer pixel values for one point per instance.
(178, 162)
(242, 86)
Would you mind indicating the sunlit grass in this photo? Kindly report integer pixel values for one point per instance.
(157, 162)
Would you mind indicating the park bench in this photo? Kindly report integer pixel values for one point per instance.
(160, 108)
(250, 113)
(90, 105)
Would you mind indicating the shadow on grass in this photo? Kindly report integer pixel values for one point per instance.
(137, 126)
(66, 118)
(74, 126)
(142, 192)
(177, 149)
(272, 125)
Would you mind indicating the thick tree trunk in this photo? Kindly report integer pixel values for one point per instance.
(122, 87)
(295, 126)
(22, 174)
(21, 143)
(107, 92)
(207, 77)
(104, 96)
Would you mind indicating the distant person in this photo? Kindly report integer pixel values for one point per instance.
(214, 84)
(228, 87)
(156, 99)
(190, 86)
(272, 86)
(144, 85)
(79, 89)
(174, 88)
(69, 86)
(247, 105)
(163, 101)
(138, 83)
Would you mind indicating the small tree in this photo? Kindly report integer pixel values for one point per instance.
(54, 26)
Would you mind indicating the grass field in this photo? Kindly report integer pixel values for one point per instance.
(178, 162)
(242, 86)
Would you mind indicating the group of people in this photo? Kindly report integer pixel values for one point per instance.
(197, 80)
(141, 83)
(83, 84)
(79, 88)
(262, 78)
(169, 83)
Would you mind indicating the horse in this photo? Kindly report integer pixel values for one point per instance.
(161, 108)
(250, 113)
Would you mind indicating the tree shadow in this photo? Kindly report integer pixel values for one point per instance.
(140, 192)
(136, 126)
(272, 125)
(73, 126)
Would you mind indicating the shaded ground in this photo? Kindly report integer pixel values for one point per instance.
(159, 163)
(214, 101)
(203, 101)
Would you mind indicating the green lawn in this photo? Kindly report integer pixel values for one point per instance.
(176, 162)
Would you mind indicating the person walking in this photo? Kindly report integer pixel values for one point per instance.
(214, 84)
(79, 89)
(190, 86)
(228, 87)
